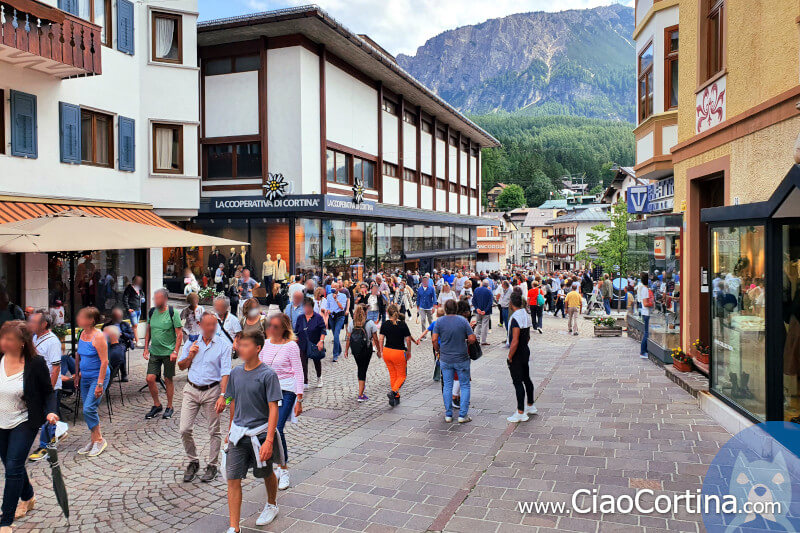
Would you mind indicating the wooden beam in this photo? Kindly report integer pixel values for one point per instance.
(433, 161)
(419, 157)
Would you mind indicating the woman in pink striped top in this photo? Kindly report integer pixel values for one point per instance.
(282, 354)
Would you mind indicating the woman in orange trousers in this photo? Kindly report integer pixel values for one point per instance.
(396, 341)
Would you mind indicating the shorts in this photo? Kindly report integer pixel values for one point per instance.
(135, 317)
(241, 458)
(155, 363)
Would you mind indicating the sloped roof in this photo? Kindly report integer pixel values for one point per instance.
(537, 217)
(554, 204)
(591, 214)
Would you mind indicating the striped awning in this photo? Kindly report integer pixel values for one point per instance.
(12, 211)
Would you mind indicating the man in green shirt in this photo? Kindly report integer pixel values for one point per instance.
(161, 345)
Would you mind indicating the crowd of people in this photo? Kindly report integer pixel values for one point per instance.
(275, 338)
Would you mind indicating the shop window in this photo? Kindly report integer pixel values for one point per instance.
(712, 38)
(390, 243)
(738, 308)
(307, 246)
(671, 67)
(167, 38)
(167, 148)
(343, 249)
(791, 320)
(269, 238)
(97, 139)
(645, 66)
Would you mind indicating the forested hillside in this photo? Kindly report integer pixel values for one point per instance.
(538, 151)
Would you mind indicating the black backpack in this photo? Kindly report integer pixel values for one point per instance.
(360, 343)
(153, 310)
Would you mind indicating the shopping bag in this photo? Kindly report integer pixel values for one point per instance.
(223, 462)
(437, 372)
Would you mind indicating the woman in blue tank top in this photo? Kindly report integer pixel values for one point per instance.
(91, 362)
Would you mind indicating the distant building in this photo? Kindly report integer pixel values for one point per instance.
(536, 223)
(491, 196)
(569, 236)
(494, 242)
(624, 178)
(521, 237)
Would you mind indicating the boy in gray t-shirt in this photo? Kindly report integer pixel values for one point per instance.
(254, 391)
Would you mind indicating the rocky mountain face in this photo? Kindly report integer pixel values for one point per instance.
(576, 62)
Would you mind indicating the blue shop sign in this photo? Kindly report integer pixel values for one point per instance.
(654, 198)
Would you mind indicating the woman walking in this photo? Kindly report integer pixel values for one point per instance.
(275, 301)
(362, 336)
(446, 294)
(402, 297)
(396, 341)
(282, 354)
(190, 316)
(26, 401)
(321, 303)
(310, 330)
(519, 335)
(252, 320)
(91, 362)
(645, 300)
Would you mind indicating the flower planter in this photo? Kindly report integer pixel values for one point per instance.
(681, 366)
(700, 356)
(603, 331)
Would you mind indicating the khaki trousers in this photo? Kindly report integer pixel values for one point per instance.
(573, 315)
(194, 402)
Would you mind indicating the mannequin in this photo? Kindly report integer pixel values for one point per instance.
(214, 259)
(244, 258)
(268, 273)
(280, 269)
(233, 261)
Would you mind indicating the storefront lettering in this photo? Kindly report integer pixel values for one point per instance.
(259, 203)
(334, 203)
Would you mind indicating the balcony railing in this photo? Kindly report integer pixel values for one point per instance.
(41, 37)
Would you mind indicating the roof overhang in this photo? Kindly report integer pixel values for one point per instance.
(318, 26)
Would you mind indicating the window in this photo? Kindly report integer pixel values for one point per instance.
(714, 31)
(24, 137)
(409, 117)
(167, 38)
(453, 187)
(337, 167)
(97, 11)
(463, 190)
(227, 65)
(365, 170)
(168, 148)
(390, 107)
(427, 127)
(671, 67)
(389, 169)
(453, 141)
(2, 122)
(646, 82)
(97, 139)
(440, 185)
(473, 193)
(409, 175)
(441, 134)
(427, 180)
(241, 160)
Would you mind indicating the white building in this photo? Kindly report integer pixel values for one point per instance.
(570, 235)
(108, 125)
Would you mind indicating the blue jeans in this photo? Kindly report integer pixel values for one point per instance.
(645, 335)
(90, 403)
(504, 316)
(607, 305)
(14, 447)
(284, 413)
(374, 316)
(448, 376)
(336, 328)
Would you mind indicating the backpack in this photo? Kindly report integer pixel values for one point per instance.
(359, 343)
(153, 310)
(650, 300)
(540, 299)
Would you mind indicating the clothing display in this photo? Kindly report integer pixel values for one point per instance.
(280, 269)
(215, 259)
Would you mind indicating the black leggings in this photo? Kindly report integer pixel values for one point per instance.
(521, 377)
(362, 362)
(317, 367)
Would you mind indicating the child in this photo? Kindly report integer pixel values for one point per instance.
(253, 442)
(429, 329)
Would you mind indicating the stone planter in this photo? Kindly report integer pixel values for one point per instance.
(603, 331)
(681, 366)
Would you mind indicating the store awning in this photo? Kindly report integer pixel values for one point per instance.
(77, 230)
(18, 211)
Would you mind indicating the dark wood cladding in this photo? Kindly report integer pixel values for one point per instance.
(401, 167)
(323, 128)
(433, 161)
(251, 187)
(419, 156)
(263, 123)
(71, 41)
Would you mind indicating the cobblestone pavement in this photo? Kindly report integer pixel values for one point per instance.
(607, 420)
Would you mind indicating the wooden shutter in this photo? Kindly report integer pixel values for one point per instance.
(23, 125)
(70, 6)
(125, 26)
(127, 146)
(69, 117)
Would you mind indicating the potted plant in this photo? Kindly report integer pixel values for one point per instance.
(60, 331)
(701, 352)
(606, 326)
(207, 295)
(681, 360)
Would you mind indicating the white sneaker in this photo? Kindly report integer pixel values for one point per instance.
(464, 419)
(231, 530)
(643, 356)
(269, 514)
(319, 383)
(283, 478)
(305, 386)
(98, 448)
(86, 449)
(518, 417)
(531, 410)
(448, 418)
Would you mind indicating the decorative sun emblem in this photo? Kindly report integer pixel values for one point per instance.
(358, 191)
(275, 187)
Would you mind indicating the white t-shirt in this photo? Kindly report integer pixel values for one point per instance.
(643, 292)
(293, 288)
(13, 410)
(58, 312)
(49, 347)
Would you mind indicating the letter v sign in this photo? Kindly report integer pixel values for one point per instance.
(637, 199)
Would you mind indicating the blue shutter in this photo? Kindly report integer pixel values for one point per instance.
(70, 6)
(69, 117)
(23, 125)
(125, 26)
(127, 146)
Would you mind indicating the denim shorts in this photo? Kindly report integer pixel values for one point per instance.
(135, 317)
(242, 458)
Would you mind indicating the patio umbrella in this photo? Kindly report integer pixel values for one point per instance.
(59, 488)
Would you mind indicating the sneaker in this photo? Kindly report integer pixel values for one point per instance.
(319, 383)
(392, 398)
(363, 398)
(305, 386)
(86, 449)
(576, 333)
(168, 412)
(283, 479)
(191, 471)
(267, 515)
(518, 417)
(643, 356)
(209, 474)
(539, 330)
(397, 399)
(98, 448)
(153, 412)
(448, 419)
(232, 530)
(38, 455)
(531, 410)
(464, 419)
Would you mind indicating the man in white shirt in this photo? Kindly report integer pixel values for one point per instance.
(227, 323)
(296, 286)
(48, 346)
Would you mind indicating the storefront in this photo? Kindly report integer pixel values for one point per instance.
(754, 287)
(323, 235)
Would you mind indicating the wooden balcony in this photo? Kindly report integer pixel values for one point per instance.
(40, 37)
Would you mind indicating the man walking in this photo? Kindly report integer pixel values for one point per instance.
(574, 304)
(295, 307)
(503, 301)
(208, 360)
(451, 334)
(587, 286)
(162, 342)
(483, 301)
(228, 324)
(426, 299)
(48, 347)
(607, 292)
(246, 286)
(337, 307)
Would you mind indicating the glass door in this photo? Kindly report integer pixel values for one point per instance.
(790, 313)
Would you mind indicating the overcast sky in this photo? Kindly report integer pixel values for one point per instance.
(401, 26)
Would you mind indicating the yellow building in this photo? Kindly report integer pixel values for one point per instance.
(735, 114)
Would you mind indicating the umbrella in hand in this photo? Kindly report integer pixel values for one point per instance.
(58, 479)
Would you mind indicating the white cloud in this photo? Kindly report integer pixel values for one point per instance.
(401, 26)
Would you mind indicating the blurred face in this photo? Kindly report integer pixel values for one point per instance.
(297, 298)
(219, 307)
(245, 273)
(308, 308)
(247, 349)
(10, 343)
(208, 325)
(275, 328)
(159, 299)
(36, 323)
(116, 315)
(84, 321)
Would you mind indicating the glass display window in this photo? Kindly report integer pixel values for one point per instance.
(307, 246)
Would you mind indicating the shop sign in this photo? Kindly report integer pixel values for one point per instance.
(339, 204)
(660, 247)
(637, 199)
(276, 187)
(657, 197)
(484, 246)
(300, 202)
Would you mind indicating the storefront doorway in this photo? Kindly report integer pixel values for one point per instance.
(790, 311)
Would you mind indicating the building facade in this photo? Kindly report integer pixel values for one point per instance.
(316, 147)
(536, 223)
(493, 247)
(87, 124)
(569, 235)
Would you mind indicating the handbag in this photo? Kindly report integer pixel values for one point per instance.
(312, 352)
(475, 351)
(437, 371)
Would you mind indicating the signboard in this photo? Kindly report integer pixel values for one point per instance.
(658, 197)
(660, 247)
(285, 204)
(637, 199)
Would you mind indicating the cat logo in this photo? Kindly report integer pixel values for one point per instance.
(637, 199)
